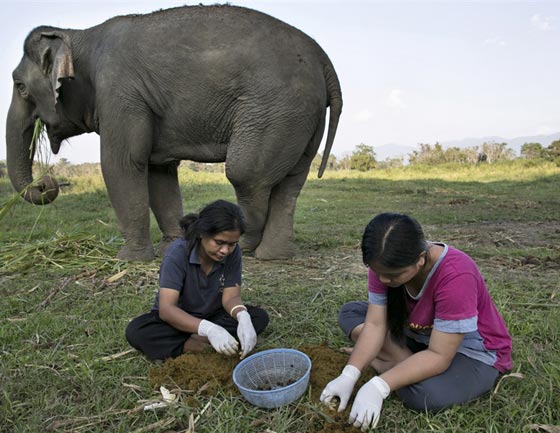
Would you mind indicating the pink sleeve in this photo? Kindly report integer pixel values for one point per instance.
(374, 285)
(456, 299)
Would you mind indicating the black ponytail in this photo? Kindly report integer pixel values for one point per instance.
(397, 313)
(188, 225)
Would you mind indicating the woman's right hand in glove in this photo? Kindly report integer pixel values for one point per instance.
(341, 387)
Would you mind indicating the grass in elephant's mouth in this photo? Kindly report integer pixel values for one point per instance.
(66, 301)
(38, 147)
(16, 197)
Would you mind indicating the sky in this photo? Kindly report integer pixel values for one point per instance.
(411, 72)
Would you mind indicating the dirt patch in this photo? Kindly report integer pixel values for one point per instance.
(510, 234)
(204, 374)
(347, 262)
(311, 266)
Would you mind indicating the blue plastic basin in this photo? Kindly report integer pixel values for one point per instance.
(273, 378)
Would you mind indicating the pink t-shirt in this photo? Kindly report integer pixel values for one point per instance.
(455, 299)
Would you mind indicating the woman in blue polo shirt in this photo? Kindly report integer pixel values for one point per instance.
(199, 299)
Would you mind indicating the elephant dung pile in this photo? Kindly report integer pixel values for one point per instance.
(206, 373)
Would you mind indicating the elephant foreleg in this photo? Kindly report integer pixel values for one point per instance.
(165, 202)
(123, 151)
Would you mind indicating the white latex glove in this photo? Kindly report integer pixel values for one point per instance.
(221, 340)
(246, 333)
(368, 402)
(341, 387)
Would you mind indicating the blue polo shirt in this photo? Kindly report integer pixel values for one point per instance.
(200, 294)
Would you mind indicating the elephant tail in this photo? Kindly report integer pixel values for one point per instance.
(334, 102)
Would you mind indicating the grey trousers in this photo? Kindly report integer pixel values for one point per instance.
(465, 379)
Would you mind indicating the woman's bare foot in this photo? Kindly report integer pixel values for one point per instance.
(195, 344)
(347, 350)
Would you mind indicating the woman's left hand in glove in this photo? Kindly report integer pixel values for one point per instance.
(246, 333)
(368, 402)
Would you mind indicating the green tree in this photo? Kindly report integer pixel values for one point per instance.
(460, 155)
(532, 151)
(497, 152)
(395, 162)
(363, 158)
(331, 162)
(344, 163)
(553, 150)
(427, 154)
(63, 168)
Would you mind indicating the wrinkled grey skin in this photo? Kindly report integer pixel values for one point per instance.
(207, 84)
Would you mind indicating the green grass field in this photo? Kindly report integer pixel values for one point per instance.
(66, 300)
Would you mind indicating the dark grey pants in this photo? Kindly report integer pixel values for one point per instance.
(159, 340)
(464, 380)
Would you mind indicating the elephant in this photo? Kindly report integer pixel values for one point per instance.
(203, 83)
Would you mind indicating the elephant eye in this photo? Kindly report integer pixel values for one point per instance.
(21, 88)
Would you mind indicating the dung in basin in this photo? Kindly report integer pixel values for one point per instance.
(274, 377)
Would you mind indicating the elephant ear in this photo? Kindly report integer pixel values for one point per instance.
(59, 64)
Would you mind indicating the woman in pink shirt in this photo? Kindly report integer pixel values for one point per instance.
(429, 328)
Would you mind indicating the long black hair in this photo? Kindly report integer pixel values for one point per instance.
(218, 216)
(395, 241)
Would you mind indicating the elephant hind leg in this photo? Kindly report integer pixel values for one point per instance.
(268, 165)
(165, 202)
(254, 204)
(277, 239)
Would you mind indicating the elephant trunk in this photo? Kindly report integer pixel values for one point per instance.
(19, 133)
